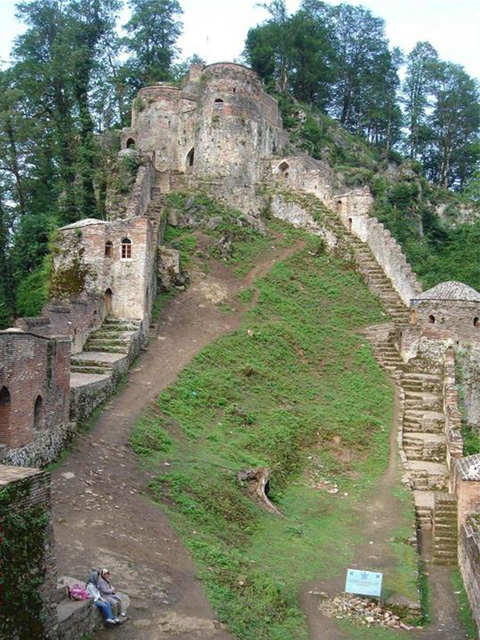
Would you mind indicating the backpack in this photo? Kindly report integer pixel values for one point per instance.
(77, 592)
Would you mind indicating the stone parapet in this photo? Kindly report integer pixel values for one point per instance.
(453, 416)
(469, 561)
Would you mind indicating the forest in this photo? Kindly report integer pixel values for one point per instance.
(366, 108)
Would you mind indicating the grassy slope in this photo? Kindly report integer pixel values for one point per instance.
(277, 398)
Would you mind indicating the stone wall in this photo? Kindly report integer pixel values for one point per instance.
(444, 318)
(386, 250)
(75, 318)
(34, 397)
(468, 360)
(123, 273)
(142, 189)
(453, 417)
(469, 561)
(27, 550)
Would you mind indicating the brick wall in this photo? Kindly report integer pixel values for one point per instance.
(469, 561)
(34, 372)
(28, 556)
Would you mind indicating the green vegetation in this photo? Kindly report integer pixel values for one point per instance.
(22, 549)
(295, 389)
(464, 606)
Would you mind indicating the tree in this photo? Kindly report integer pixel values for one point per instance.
(417, 90)
(153, 29)
(452, 155)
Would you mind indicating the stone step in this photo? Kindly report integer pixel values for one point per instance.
(80, 369)
(427, 476)
(89, 348)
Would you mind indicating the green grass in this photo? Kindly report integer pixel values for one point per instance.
(464, 606)
(276, 393)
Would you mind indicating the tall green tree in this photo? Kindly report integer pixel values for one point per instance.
(153, 31)
(417, 90)
(452, 156)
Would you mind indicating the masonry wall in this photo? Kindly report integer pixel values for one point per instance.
(469, 562)
(35, 379)
(28, 569)
(468, 359)
(82, 266)
(387, 252)
(444, 318)
(453, 417)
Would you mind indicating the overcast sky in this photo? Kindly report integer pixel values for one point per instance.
(216, 29)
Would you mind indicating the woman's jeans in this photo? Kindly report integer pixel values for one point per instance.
(105, 608)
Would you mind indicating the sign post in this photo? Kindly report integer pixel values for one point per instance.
(364, 583)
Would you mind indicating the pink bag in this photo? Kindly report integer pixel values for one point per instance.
(77, 592)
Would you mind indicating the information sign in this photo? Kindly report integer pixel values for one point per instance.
(364, 583)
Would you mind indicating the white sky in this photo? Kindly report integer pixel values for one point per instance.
(216, 29)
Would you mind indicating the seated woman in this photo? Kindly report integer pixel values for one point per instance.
(93, 592)
(108, 593)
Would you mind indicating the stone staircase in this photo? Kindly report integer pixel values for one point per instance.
(421, 389)
(156, 208)
(445, 529)
(113, 337)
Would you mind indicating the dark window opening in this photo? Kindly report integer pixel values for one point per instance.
(190, 157)
(283, 168)
(218, 105)
(431, 319)
(126, 249)
(109, 249)
(130, 143)
(475, 322)
(350, 222)
(108, 301)
(38, 414)
(5, 409)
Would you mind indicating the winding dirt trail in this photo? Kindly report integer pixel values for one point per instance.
(102, 518)
(378, 519)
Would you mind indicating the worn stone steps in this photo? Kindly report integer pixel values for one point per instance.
(427, 476)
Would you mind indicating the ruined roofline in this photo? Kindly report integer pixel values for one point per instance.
(233, 64)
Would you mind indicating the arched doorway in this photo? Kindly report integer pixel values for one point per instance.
(108, 302)
(130, 143)
(283, 168)
(190, 159)
(38, 414)
(218, 105)
(5, 411)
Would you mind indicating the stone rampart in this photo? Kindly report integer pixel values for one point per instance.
(27, 549)
(453, 417)
(142, 189)
(469, 561)
(388, 254)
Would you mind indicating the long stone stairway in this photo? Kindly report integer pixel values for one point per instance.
(422, 436)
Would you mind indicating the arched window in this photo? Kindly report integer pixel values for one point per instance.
(126, 249)
(190, 157)
(350, 223)
(431, 319)
(38, 414)
(130, 143)
(5, 409)
(108, 301)
(109, 249)
(283, 168)
(475, 322)
(339, 206)
(218, 105)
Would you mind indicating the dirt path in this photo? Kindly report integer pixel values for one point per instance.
(101, 517)
(378, 520)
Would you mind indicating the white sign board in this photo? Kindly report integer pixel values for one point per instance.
(364, 583)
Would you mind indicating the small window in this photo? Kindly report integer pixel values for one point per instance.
(431, 319)
(130, 143)
(350, 224)
(475, 322)
(283, 168)
(109, 249)
(218, 105)
(126, 249)
(190, 158)
(38, 414)
(5, 408)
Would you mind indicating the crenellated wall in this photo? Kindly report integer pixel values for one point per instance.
(388, 254)
(453, 416)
